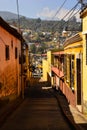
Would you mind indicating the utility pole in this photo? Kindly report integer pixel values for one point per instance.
(22, 79)
(18, 15)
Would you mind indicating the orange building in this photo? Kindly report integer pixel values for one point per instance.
(10, 69)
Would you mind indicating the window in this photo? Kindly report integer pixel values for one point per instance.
(15, 52)
(7, 52)
(12, 44)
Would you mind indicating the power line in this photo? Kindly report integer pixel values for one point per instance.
(59, 9)
(74, 14)
(67, 14)
(67, 24)
(70, 11)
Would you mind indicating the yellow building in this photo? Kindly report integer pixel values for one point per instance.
(73, 51)
(83, 15)
(47, 67)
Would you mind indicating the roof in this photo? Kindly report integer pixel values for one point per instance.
(76, 38)
(83, 12)
(58, 53)
(44, 54)
(11, 30)
(57, 72)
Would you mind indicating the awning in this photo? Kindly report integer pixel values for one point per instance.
(57, 72)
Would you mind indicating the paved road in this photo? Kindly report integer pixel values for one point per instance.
(39, 111)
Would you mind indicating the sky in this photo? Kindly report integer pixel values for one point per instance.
(44, 9)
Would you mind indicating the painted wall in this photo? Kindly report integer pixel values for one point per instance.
(45, 69)
(9, 69)
(49, 60)
(74, 51)
(83, 15)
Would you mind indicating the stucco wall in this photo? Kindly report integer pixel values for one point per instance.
(84, 31)
(9, 69)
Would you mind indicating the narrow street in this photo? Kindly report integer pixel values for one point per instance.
(39, 111)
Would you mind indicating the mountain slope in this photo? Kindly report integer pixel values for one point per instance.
(41, 25)
(8, 15)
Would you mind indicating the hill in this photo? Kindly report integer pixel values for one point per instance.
(41, 25)
(8, 15)
(45, 25)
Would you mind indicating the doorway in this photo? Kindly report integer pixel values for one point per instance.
(78, 62)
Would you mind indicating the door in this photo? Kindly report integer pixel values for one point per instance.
(78, 82)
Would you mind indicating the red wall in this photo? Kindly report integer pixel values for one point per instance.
(71, 97)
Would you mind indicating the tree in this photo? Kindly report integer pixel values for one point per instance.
(33, 48)
(38, 20)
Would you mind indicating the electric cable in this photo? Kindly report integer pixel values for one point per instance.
(66, 14)
(59, 9)
(67, 23)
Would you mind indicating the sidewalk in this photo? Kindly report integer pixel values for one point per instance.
(75, 117)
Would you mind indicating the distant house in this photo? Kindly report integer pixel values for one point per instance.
(10, 69)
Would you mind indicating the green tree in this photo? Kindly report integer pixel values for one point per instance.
(33, 48)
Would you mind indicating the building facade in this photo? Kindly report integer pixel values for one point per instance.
(73, 52)
(83, 16)
(10, 69)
